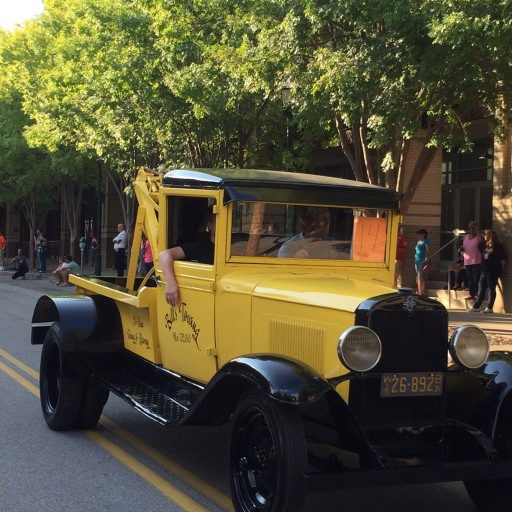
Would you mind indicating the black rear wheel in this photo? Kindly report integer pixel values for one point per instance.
(60, 387)
(268, 456)
(94, 398)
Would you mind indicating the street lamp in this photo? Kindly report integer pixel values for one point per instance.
(286, 97)
(286, 93)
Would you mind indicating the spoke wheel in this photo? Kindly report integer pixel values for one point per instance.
(268, 457)
(60, 388)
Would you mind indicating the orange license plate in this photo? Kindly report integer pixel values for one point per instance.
(411, 384)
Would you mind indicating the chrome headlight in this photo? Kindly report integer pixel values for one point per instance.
(359, 349)
(469, 346)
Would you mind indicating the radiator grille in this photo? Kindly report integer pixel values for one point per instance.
(412, 341)
(298, 340)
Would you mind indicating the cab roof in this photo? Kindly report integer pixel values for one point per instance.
(282, 186)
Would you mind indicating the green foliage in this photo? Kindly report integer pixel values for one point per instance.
(397, 69)
(198, 82)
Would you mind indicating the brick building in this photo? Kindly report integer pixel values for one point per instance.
(460, 187)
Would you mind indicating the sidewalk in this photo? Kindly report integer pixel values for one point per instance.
(497, 326)
(38, 284)
(498, 323)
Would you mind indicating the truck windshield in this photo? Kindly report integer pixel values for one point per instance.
(275, 230)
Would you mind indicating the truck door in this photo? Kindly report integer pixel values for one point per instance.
(187, 331)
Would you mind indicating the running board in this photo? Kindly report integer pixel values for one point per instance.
(165, 408)
(161, 395)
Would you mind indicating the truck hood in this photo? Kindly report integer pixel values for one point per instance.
(321, 290)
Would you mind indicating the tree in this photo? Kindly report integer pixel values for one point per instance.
(115, 82)
(385, 72)
(87, 84)
(26, 177)
(216, 64)
(58, 169)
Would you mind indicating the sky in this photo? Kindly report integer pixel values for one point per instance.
(13, 12)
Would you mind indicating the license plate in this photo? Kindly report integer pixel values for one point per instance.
(411, 384)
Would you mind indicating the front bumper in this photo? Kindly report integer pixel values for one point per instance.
(448, 472)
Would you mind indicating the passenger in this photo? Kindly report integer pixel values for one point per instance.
(310, 242)
(201, 250)
(273, 228)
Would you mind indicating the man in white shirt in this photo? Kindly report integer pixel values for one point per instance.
(120, 242)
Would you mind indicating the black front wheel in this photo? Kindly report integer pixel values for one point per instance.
(60, 387)
(268, 456)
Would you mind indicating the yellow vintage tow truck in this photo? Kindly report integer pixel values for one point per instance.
(328, 375)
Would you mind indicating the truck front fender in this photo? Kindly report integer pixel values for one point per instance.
(499, 366)
(88, 323)
(280, 378)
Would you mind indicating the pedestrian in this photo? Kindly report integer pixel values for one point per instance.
(471, 245)
(146, 255)
(120, 243)
(421, 260)
(40, 245)
(3, 241)
(401, 244)
(457, 275)
(20, 265)
(494, 259)
(93, 248)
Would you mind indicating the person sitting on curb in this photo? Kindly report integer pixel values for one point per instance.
(57, 271)
(67, 266)
(20, 264)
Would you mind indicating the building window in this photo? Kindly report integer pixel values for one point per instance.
(470, 167)
(466, 180)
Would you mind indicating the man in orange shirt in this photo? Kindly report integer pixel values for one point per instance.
(2, 250)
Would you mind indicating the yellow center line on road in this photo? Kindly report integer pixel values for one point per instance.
(19, 379)
(179, 497)
(183, 474)
(21, 365)
(160, 483)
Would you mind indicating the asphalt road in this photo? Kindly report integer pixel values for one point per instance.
(130, 463)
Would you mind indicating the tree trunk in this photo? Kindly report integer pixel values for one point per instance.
(420, 169)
